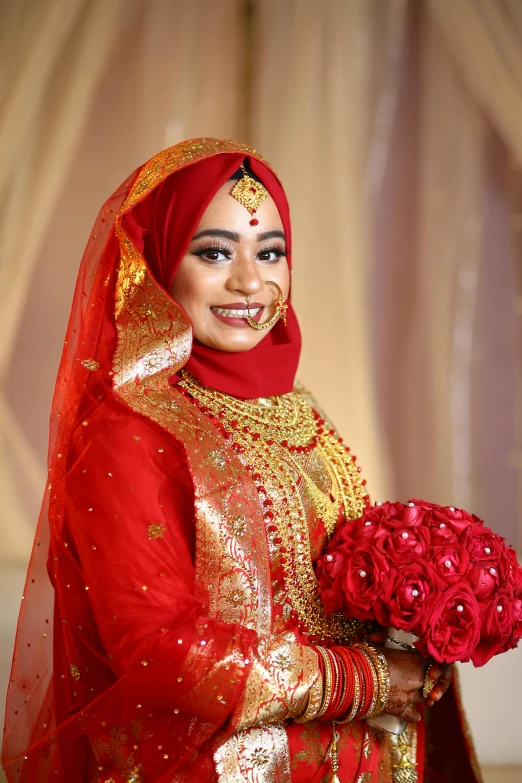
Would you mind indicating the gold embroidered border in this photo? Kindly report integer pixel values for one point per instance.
(154, 340)
(256, 755)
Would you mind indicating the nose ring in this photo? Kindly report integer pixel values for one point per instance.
(280, 309)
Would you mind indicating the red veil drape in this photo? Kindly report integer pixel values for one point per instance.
(82, 663)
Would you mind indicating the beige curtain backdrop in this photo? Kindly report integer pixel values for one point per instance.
(396, 128)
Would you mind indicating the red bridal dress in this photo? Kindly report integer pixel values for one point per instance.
(170, 611)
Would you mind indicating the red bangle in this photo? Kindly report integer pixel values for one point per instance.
(349, 690)
(367, 680)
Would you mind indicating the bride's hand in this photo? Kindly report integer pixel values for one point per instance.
(407, 671)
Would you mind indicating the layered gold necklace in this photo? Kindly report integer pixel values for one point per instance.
(276, 439)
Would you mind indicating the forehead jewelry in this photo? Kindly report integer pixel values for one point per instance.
(280, 309)
(249, 193)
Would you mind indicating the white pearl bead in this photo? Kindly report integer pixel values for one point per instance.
(203, 642)
(379, 503)
(415, 593)
(487, 550)
(500, 608)
(442, 524)
(367, 523)
(492, 571)
(362, 573)
(460, 608)
(404, 535)
(448, 563)
(329, 558)
(411, 505)
(452, 508)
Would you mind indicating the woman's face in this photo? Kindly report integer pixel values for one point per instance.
(226, 261)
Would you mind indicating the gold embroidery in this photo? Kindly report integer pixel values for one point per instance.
(287, 490)
(256, 755)
(279, 681)
(404, 755)
(167, 161)
(366, 777)
(148, 351)
(155, 531)
(75, 672)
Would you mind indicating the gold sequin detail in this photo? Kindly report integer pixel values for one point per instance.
(155, 531)
(75, 672)
(90, 364)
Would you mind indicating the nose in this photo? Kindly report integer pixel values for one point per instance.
(244, 277)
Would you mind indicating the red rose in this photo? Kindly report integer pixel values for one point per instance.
(367, 573)
(497, 625)
(330, 571)
(453, 626)
(484, 580)
(400, 516)
(450, 562)
(483, 546)
(408, 597)
(404, 545)
(447, 518)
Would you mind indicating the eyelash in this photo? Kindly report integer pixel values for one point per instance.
(227, 251)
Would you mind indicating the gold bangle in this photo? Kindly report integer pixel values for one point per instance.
(383, 675)
(328, 681)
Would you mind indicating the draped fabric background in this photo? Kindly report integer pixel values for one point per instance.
(396, 126)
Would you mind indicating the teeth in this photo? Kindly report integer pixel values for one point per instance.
(228, 313)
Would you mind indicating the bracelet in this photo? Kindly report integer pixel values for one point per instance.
(336, 683)
(328, 681)
(370, 708)
(356, 703)
(369, 681)
(383, 675)
(404, 645)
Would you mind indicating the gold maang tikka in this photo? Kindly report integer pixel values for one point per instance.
(250, 193)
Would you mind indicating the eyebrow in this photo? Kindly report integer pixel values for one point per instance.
(235, 237)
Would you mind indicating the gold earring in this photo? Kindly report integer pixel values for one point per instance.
(281, 307)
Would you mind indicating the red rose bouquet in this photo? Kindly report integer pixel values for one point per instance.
(434, 572)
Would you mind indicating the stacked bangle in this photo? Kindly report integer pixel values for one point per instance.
(380, 665)
(352, 683)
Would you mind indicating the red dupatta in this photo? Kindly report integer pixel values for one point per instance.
(85, 664)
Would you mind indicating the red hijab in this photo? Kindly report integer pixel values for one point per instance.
(162, 227)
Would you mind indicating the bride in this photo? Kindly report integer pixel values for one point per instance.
(171, 628)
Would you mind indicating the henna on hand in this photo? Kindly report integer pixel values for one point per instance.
(407, 668)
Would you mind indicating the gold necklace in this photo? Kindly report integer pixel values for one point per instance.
(272, 452)
(287, 419)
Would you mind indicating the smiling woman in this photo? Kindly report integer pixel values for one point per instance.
(223, 275)
(172, 628)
